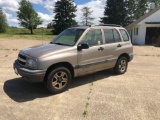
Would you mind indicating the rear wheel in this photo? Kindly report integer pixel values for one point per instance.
(58, 80)
(121, 65)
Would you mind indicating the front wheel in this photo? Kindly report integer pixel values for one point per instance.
(121, 65)
(58, 80)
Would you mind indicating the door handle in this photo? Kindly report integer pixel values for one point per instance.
(101, 49)
(119, 45)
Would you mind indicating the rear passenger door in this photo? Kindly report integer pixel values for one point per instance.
(113, 45)
(127, 45)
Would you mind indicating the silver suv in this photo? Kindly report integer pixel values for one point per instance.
(75, 52)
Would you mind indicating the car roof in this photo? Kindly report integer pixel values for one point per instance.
(99, 26)
(81, 27)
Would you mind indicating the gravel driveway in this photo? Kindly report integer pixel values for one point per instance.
(100, 96)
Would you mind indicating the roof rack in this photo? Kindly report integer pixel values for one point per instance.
(112, 25)
(91, 25)
(109, 25)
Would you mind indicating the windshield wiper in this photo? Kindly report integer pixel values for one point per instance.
(60, 44)
(56, 43)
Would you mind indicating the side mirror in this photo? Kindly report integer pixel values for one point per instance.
(83, 46)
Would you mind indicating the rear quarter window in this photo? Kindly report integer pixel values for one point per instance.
(124, 35)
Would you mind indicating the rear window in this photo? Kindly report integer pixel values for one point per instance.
(124, 35)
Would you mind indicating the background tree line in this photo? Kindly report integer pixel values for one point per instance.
(122, 12)
(3, 22)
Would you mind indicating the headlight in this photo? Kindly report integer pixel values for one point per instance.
(31, 63)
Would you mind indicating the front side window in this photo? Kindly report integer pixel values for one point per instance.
(124, 35)
(93, 37)
(68, 37)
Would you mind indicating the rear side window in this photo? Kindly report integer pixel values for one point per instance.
(124, 35)
(116, 36)
(111, 36)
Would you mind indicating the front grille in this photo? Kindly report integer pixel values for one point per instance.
(22, 56)
(22, 59)
(22, 63)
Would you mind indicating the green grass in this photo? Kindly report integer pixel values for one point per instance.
(23, 33)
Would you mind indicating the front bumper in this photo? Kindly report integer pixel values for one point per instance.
(29, 74)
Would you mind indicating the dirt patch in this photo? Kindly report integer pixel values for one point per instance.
(134, 95)
(146, 50)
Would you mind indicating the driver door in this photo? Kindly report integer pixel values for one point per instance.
(92, 59)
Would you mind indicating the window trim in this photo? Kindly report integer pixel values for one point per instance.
(136, 29)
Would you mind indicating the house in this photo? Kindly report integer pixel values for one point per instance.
(146, 29)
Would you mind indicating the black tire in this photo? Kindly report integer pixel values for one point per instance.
(58, 80)
(121, 65)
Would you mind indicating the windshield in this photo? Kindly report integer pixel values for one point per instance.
(68, 37)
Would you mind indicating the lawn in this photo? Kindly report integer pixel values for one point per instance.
(23, 33)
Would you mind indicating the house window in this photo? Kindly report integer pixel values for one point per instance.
(135, 31)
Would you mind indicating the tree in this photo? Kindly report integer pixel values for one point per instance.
(157, 2)
(3, 22)
(131, 9)
(124, 12)
(27, 16)
(141, 8)
(50, 25)
(115, 12)
(65, 14)
(86, 19)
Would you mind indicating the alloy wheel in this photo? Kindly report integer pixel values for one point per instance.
(60, 80)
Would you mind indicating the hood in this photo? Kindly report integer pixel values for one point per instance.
(38, 51)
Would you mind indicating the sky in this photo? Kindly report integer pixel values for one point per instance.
(45, 8)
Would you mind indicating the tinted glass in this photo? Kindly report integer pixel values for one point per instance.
(116, 36)
(109, 38)
(93, 37)
(124, 35)
(68, 37)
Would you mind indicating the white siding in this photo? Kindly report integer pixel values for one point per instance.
(152, 18)
(134, 37)
(140, 38)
